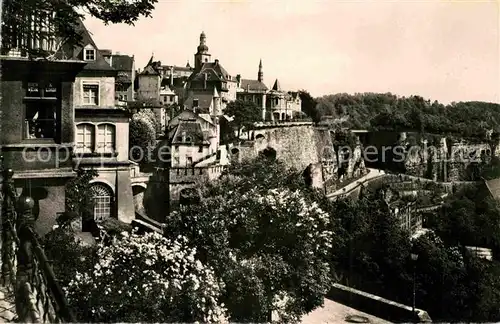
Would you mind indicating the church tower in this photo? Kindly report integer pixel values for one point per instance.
(260, 76)
(201, 55)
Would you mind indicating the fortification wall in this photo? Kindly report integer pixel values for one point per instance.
(296, 145)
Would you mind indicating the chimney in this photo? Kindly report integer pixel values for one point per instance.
(205, 81)
(216, 62)
(238, 79)
(171, 76)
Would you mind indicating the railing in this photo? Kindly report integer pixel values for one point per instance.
(26, 272)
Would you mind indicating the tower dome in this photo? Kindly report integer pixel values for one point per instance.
(202, 48)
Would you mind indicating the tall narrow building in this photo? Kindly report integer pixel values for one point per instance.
(202, 55)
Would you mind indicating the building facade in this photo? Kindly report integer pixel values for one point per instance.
(275, 103)
(102, 133)
(124, 81)
(36, 118)
(208, 76)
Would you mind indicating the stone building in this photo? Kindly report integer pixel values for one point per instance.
(102, 132)
(276, 104)
(124, 81)
(209, 76)
(36, 118)
(253, 90)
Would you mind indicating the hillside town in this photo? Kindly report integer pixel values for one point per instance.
(172, 192)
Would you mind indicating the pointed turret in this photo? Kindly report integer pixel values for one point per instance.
(276, 86)
(260, 76)
(216, 103)
(151, 60)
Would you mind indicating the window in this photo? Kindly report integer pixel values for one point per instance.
(40, 120)
(195, 102)
(124, 97)
(189, 161)
(105, 138)
(103, 200)
(89, 54)
(176, 161)
(90, 94)
(200, 149)
(85, 138)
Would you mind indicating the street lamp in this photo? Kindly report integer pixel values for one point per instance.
(414, 258)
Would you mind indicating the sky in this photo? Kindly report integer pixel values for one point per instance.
(441, 50)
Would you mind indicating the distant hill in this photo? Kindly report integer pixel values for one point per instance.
(386, 111)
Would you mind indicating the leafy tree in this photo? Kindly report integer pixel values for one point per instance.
(16, 21)
(146, 278)
(79, 200)
(142, 138)
(244, 114)
(309, 105)
(267, 240)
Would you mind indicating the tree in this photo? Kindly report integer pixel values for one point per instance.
(146, 278)
(244, 114)
(142, 139)
(309, 105)
(62, 27)
(79, 199)
(269, 243)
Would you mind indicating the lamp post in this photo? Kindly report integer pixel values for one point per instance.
(414, 257)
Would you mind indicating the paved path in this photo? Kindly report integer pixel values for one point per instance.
(333, 312)
(7, 308)
(372, 173)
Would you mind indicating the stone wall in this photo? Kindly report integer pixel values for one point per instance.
(297, 146)
(301, 145)
(434, 157)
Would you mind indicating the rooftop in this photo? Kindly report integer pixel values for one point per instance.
(252, 85)
(333, 312)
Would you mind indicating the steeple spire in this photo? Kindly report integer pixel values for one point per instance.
(260, 76)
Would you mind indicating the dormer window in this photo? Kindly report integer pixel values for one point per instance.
(89, 54)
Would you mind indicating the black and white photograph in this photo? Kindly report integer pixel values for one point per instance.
(250, 161)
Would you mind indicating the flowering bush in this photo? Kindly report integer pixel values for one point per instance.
(267, 245)
(147, 278)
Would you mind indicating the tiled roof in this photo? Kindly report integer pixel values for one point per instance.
(122, 62)
(186, 115)
(206, 117)
(76, 53)
(188, 132)
(149, 70)
(253, 85)
(215, 71)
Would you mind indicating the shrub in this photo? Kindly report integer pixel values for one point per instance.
(147, 278)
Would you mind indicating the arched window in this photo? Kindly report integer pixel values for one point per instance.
(103, 201)
(85, 138)
(105, 138)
